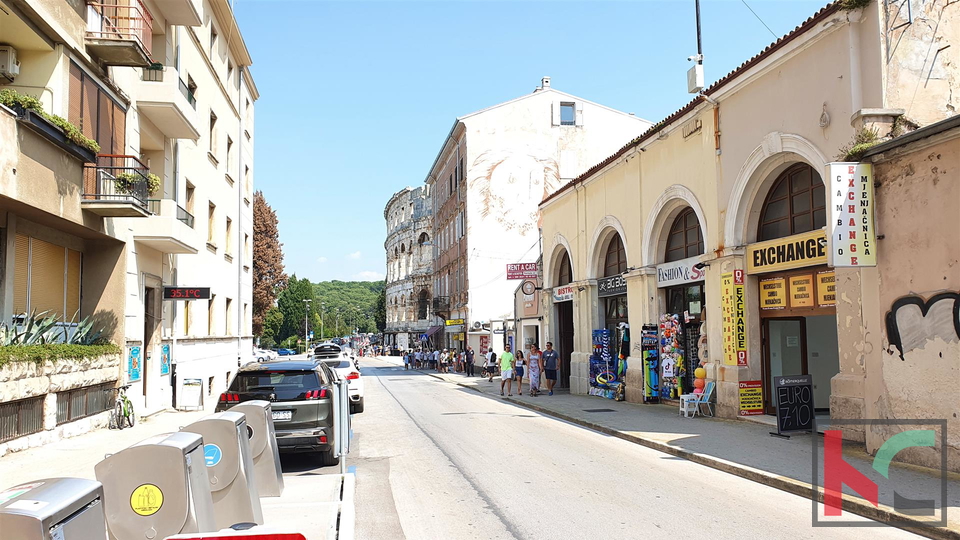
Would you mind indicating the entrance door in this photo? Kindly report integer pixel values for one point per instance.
(565, 336)
(785, 353)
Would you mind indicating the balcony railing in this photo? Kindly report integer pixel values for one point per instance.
(117, 178)
(154, 206)
(441, 303)
(121, 21)
(185, 90)
(152, 73)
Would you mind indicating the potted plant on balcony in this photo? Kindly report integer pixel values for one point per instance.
(126, 183)
(56, 129)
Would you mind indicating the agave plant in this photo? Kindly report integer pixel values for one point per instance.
(85, 333)
(41, 328)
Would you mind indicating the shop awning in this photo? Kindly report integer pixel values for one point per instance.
(433, 330)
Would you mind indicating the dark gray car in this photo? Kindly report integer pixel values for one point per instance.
(301, 394)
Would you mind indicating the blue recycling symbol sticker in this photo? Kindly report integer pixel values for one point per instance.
(212, 454)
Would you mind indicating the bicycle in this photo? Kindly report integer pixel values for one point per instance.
(122, 410)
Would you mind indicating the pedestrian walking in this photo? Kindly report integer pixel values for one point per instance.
(551, 362)
(490, 366)
(506, 370)
(435, 359)
(406, 360)
(417, 359)
(468, 359)
(518, 365)
(534, 368)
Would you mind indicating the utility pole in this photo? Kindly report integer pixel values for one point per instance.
(322, 305)
(306, 335)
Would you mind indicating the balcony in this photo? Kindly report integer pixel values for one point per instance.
(169, 229)
(179, 12)
(165, 100)
(116, 186)
(120, 34)
(441, 304)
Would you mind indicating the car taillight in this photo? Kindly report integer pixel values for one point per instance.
(229, 397)
(323, 439)
(316, 394)
(353, 375)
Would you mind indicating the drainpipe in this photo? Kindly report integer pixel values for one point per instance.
(856, 92)
(239, 240)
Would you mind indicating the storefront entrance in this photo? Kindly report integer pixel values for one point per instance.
(685, 303)
(565, 338)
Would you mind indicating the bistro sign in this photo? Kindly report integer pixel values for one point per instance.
(563, 294)
(679, 272)
(797, 251)
(611, 286)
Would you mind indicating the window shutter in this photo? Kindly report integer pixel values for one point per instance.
(105, 124)
(73, 284)
(579, 115)
(556, 113)
(88, 109)
(76, 95)
(119, 129)
(20, 274)
(47, 272)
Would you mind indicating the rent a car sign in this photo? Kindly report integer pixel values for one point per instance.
(522, 271)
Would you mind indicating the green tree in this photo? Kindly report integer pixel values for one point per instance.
(291, 304)
(380, 314)
(272, 323)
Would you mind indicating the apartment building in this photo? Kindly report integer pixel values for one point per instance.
(164, 87)
(493, 169)
(409, 279)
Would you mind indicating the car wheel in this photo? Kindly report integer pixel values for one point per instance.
(356, 407)
(327, 459)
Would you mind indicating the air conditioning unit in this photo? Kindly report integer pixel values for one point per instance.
(9, 66)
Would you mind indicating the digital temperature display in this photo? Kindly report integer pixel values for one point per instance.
(186, 293)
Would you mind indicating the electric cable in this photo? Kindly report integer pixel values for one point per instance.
(775, 36)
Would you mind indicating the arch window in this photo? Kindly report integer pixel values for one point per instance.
(796, 204)
(403, 249)
(615, 261)
(422, 302)
(686, 237)
(423, 239)
(565, 270)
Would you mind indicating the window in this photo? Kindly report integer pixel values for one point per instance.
(422, 302)
(213, 134)
(615, 261)
(568, 114)
(462, 173)
(246, 319)
(246, 247)
(212, 224)
(191, 90)
(565, 272)
(686, 238)
(450, 185)
(229, 71)
(95, 113)
(46, 278)
(228, 315)
(213, 40)
(247, 182)
(84, 402)
(229, 156)
(191, 190)
(211, 318)
(794, 205)
(19, 418)
(228, 232)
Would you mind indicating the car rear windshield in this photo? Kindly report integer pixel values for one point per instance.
(284, 385)
(338, 363)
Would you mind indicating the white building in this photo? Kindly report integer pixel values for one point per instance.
(492, 171)
(409, 267)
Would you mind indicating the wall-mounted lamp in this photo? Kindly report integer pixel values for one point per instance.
(701, 266)
(628, 270)
(581, 289)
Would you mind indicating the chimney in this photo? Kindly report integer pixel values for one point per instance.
(545, 83)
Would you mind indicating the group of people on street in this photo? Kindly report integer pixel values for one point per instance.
(511, 367)
(515, 366)
(442, 360)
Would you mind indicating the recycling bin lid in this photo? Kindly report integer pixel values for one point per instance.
(184, 440)
(232, 416)
(50, 499)
(257, 413)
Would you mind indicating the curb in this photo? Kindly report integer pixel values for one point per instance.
(852, 504)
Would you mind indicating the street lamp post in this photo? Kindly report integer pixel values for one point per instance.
(338, 322)
(306, 335)
(322, 305)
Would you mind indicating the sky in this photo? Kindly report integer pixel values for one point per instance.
(357, 97)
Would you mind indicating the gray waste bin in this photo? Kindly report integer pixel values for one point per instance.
(157, 488)
(233, 483)
(53, 509)
(263, 446)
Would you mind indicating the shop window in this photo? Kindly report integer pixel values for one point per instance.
(565, 272)
(615, 261)
(795, 204)
(686, 237)
(615, 312)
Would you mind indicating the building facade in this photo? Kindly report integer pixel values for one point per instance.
(409, 281)
(714, 234)
(165, 89)
(493, 168)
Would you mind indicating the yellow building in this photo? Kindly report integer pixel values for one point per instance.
(713, 225)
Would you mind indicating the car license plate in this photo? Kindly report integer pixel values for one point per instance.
(282, 415)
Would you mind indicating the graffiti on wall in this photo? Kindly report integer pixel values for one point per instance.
(913, 321)
(511, 185)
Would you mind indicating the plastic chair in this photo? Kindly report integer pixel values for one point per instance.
(688, 405)
(704, 398)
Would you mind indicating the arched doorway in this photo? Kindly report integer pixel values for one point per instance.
(794, 284)
(563, 302)
(680, 281)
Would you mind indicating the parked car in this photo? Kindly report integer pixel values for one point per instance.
(301, 394)
(263, 355)
(286, 352)
(346, 366)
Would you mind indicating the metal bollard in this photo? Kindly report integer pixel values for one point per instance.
(263, 446)
(157, 488)
(53, 509)
(233, 483)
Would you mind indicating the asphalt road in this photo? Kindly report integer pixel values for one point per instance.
(434, 460)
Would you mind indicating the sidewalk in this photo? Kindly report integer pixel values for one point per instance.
(739, 447)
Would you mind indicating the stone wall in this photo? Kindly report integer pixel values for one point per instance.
(21, 380)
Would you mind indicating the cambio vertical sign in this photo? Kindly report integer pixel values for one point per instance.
(853, 237)
(734, 318)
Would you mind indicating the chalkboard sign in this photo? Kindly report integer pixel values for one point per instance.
(793, 395)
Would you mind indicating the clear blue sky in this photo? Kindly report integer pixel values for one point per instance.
(357, 97)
